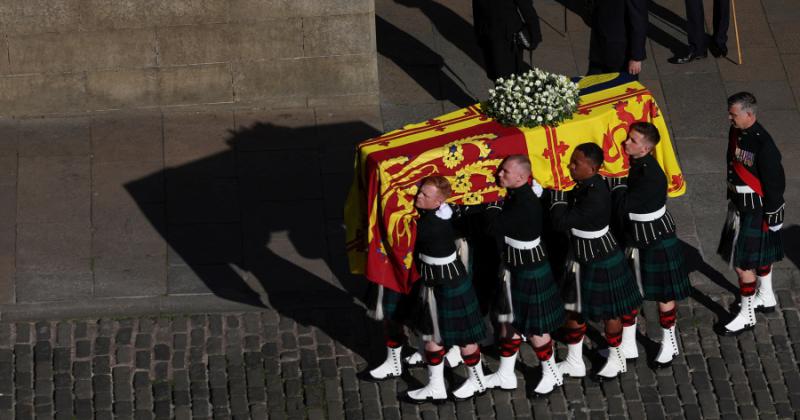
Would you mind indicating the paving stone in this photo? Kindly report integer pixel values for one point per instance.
(784, 410)
(748, 412)
(124, 354)
(763, 401)
(143, 341)
(722, 389)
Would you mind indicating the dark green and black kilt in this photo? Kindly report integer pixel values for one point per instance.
(397, 307)
(538, 308)
(754, 247)
(608, 288)
(664, 275)
(460, 319)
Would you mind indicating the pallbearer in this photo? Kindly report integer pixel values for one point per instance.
(393, 309)
(654, 251)
(449, 313)
(531, 304)
(599, 285)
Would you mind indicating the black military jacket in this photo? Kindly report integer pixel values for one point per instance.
(646, 192)
(519, 218)
(435, 236)
(647, 186)
(759, 161)
(588, 208)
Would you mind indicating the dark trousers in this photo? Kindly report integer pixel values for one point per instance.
(502, 58)
(696, 24)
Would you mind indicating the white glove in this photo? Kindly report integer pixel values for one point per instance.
(537, 188)
(776, 228)
(444, 212)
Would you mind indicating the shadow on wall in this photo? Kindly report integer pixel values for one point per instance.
(454, 28)
(422, 64)
(269, 232)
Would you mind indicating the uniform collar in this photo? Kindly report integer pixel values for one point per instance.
(590, 182)
(444, 212)
(752, 129)
(521, 188)
(642, 160)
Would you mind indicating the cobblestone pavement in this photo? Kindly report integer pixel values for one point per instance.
(262, 365)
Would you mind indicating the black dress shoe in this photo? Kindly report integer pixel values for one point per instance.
(718, 51)
(659, 365)
(689, 58)
(721, 330)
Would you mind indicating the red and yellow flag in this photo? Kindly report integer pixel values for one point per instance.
(466, 146)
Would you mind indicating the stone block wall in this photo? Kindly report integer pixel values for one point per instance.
(72, 56)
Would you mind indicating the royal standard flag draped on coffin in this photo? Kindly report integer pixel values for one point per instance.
(467, 147)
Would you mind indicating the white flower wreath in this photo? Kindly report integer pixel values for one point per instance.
(532, 99)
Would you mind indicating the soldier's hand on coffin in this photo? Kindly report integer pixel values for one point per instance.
(459, 210)
(537, 188)
(494, 206)
(554, 196)
(616, 182)
(462, 210)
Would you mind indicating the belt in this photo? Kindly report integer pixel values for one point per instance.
(437, 260)
(741, 189)
(648, 217)
(589, 234)
(522, 244)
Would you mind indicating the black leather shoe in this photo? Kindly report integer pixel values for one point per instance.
(659, 365)
(689, 58)
(721, 330)
(718, 51)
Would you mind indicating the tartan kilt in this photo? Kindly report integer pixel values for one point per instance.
(754, 247)
(538, 308)
(397, 307)
(459, 314)
(608, 288)
(664, 275)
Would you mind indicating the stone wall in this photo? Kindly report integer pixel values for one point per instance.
(72, 56)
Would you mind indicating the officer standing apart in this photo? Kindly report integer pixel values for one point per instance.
(650, 240)
(751, 239)
(498, 25)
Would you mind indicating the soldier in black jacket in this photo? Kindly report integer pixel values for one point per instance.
(599, 284)
(751, 239)
(497, 25)
(450, 314)
(619, 35)
(531, 305)
(650, 240)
